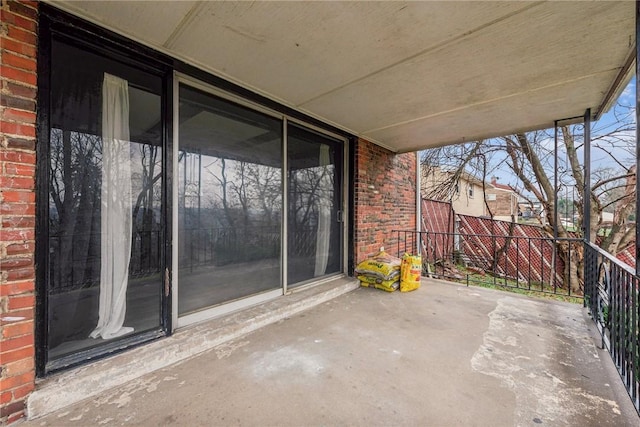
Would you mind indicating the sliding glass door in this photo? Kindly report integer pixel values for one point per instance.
(229, 201)
(104, 192)
(255, 201)
(314, 241)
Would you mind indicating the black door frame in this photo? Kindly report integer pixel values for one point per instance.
(57, 25)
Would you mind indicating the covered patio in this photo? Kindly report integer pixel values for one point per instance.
(445, 354)
(372, 81)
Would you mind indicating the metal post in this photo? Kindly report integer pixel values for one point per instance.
(555, 181)
(284, 216)
(637, 136)
(634, 288)
(586, 191)
(555, 205)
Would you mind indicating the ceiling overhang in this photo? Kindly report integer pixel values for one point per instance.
(405, 75)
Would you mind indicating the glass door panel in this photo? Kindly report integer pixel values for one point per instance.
(229, 201)
(314, 241)
(105, 232)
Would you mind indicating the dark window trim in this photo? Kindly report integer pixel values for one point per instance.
(351, 186)
(81, 33)
(106, 350)
(42, 196)
(69, 31)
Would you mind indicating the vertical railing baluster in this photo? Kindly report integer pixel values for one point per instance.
(635, 330)
(507, 242)
(518, 262)
(628, 331)
(530, 262)
(542, 269)
(569, 270)
(618, 304)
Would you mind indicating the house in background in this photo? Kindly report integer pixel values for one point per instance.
(463, 191)
(502, 201)
(468, 195)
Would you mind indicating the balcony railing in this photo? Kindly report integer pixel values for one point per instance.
(228, 245)
(534, 264)
(74, 259)
(611, 294)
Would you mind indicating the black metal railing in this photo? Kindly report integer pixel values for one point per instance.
(228, 245)
(74, 258)
(611, 295)
(535, 264)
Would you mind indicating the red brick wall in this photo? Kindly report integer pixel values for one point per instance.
(18, 24)
(505, 204)
(385, 197)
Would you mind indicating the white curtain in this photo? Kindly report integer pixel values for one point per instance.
(325, 191)
(115, 210)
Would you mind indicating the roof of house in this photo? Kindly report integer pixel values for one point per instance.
(473, 179)
(499, 186)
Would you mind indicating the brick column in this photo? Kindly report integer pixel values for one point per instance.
(18, 35)
(385, 198)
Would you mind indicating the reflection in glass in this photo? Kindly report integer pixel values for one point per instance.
(229, 201)
(76, 155)
(314, 232)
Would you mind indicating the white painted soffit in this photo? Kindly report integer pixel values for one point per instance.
(406, 75)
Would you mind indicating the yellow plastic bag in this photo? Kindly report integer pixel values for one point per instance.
(381, 265)
(375, 282)
(410, 271)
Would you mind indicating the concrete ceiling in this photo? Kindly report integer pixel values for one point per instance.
(405, 75)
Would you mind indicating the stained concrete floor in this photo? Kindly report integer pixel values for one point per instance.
(444, 355)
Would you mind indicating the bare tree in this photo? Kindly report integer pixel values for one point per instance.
(531, 160)
(74, 191)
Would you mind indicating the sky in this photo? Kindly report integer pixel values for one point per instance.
(610, 121)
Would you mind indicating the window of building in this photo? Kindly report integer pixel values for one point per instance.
(314, 205)
(229, 201)
(105, 196)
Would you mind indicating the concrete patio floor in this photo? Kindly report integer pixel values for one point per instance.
(445, 355)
